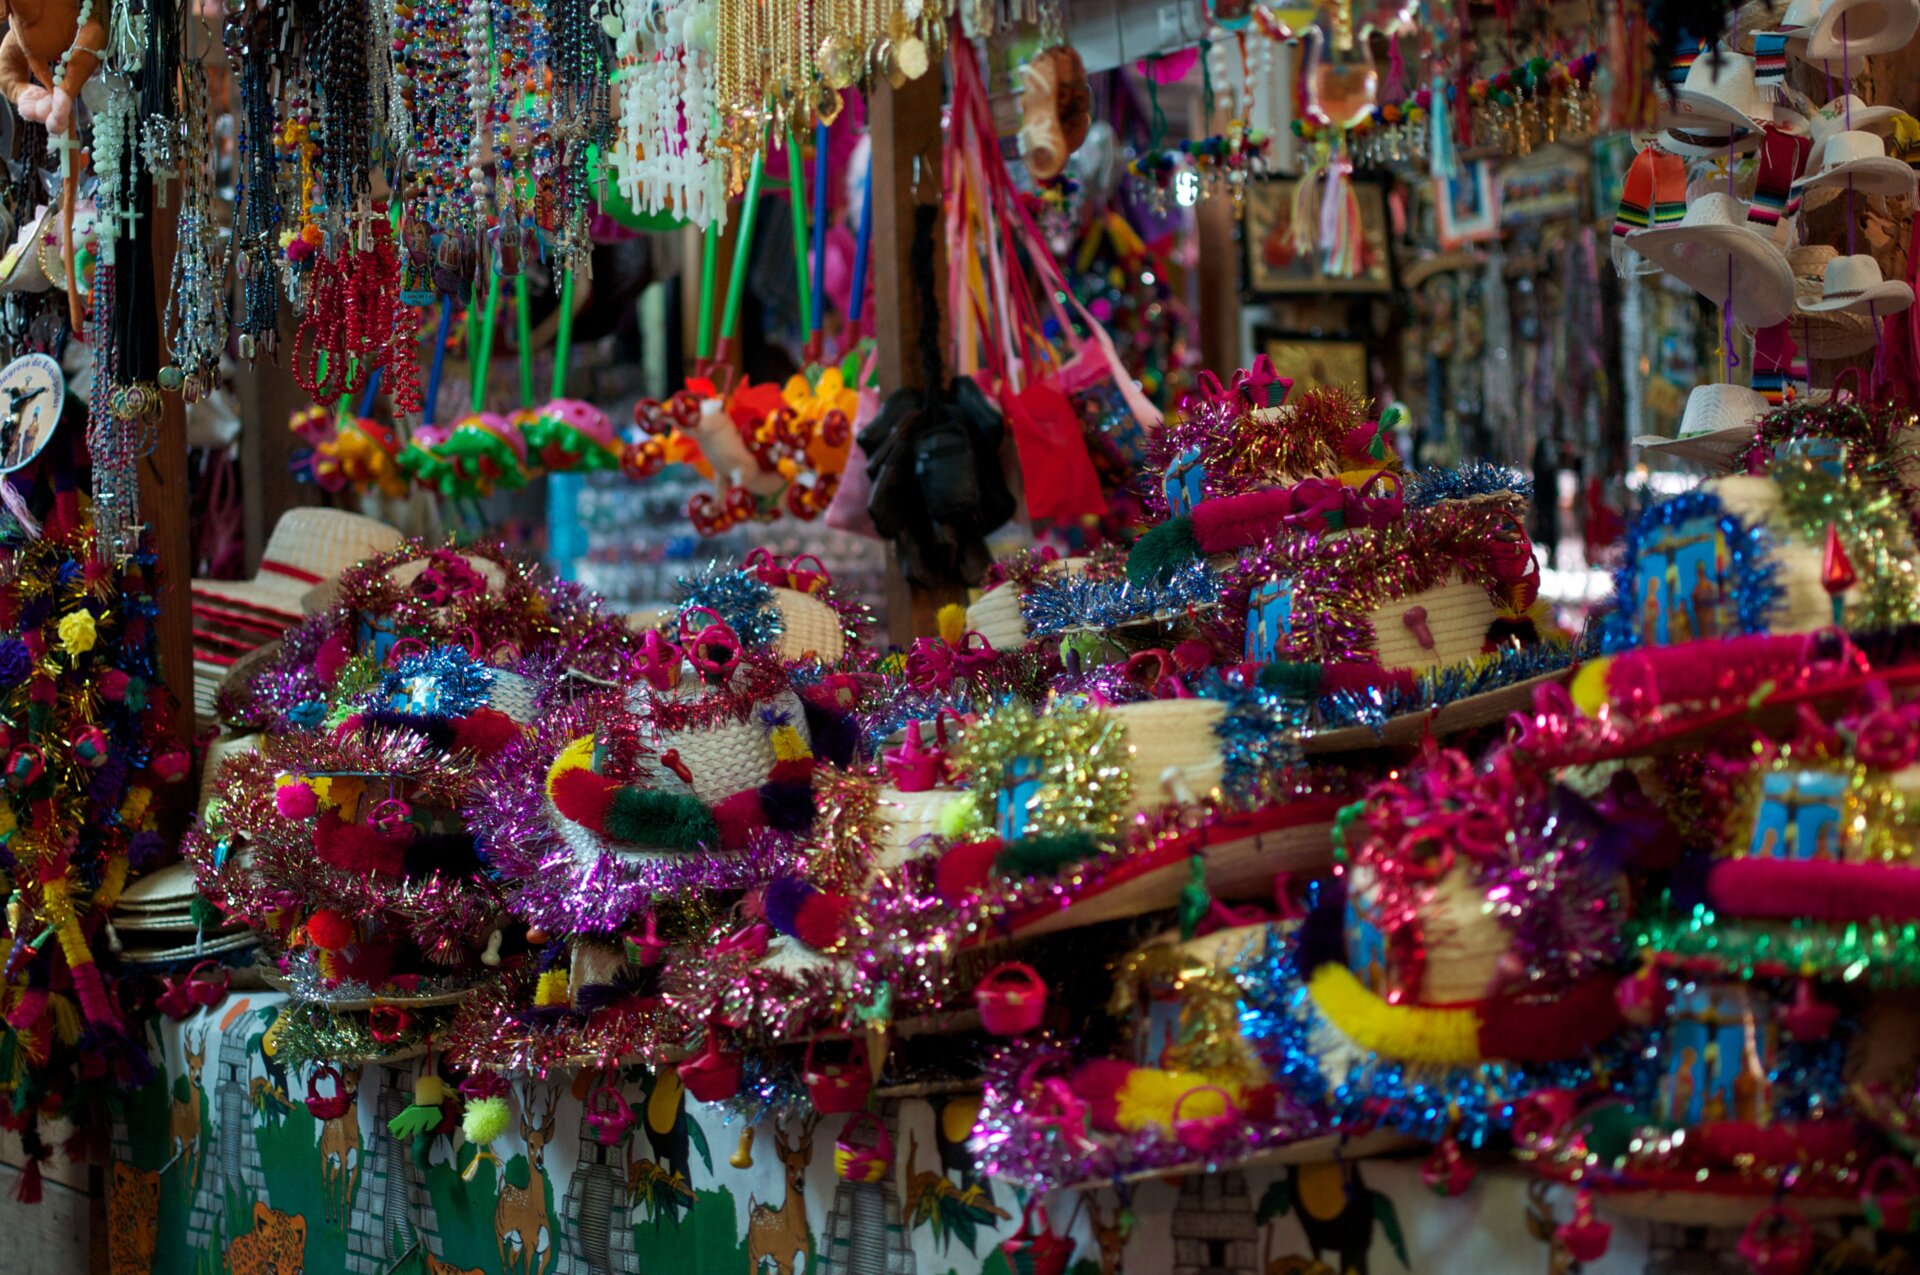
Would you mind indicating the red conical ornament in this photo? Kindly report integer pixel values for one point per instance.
(1836, 572)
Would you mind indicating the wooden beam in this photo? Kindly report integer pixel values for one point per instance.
(905, 123)
(266, 398)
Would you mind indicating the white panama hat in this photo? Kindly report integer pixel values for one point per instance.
(1857, 158)
(1855, 28)
(1854, 285)
(1716, 427)
(1715, 247)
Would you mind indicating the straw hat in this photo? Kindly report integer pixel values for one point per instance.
(1850, 112)
(1716, 427)
(1854, 28)
(1859, 159)
(1854, 285)
(1715, 104)
(1823, 334)
(307, 547)
(1714, 246)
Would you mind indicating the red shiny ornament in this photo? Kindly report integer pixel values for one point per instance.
(1836, 571)
(1447, 1171)
(1808, 1018)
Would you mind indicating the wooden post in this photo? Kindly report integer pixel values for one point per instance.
(906, 171)
(164, 508)
(266, 397)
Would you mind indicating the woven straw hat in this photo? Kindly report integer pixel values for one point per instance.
(1854, 285)
(1854, 28)
(1715, 246)
(1859, 160)
(1716, 427)
(307, 547)
(1716, 105)
(1849, 112)
(1824, 334)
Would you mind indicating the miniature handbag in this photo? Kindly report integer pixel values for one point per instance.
(1777, 1241)
(863, 1161)
(1012, 999)
(837, 1089)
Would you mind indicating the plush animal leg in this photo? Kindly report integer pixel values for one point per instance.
(17, 80)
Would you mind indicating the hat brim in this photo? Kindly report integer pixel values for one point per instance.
(1832, 334)
(1882, 175)
(1699, 257)
(1679, 143)
(1899, 19)
(1714, 448)
(1889, 297)
(1868, 119)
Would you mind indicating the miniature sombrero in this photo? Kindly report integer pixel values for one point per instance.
(1854, 285)
(1855, 28)
(1716, 427)
(1719, 253)
(1858, 160)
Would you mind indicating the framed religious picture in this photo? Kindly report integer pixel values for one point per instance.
(1312, 360)
(1466, 206)
(1277, 265)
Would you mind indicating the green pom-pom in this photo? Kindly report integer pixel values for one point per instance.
(1163, 551)
(1295, 681)
(485, 1120)
(203, 913)
(958, 818)
(648, 817)
(1045, 854)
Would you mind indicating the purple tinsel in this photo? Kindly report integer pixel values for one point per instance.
(15, 662)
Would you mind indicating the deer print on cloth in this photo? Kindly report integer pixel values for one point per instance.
(781, 1238)
(520, 1218)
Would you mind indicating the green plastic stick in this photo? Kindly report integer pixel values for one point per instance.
(742, 250)
(484, 353)
(797, 200)
(563, 339)
(709, 267)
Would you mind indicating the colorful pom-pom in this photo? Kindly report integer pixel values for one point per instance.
(296, 800)
(329, 931)
(486, 1119)
(172, 765)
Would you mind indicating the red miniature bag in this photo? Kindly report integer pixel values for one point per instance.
(837, 1089)
(863, 1161)
(1012, 999)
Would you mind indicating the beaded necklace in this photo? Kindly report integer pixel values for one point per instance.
(667, 159)
(196, 312)
(250, 39)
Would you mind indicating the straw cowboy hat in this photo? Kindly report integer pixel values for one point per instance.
(1716, 427)
(1717, 105)
(1823, 334)
(1854, 285)
(1848, 112)
(307, 548)
(1859, 159)
(1855, 28)
(1715, 248)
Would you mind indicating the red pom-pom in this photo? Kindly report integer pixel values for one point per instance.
(582, 796)
(356, 848)
(820, 921)
(485, 732)
(331, 657)
(171, 766)
(964, 869)
(329, 930)
(739, 817)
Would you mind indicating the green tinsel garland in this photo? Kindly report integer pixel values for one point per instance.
(1878, 955)
(1872, 527)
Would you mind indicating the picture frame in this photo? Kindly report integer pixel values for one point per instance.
(1313, 361)
(1273, 267)
(1466, 206)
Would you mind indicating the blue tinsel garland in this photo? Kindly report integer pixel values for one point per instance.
(1428, 487)
(460, 683)
(1068, 602)
(741, 599)
(1756, 591)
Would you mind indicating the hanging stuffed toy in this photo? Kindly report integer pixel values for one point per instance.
(46, 58)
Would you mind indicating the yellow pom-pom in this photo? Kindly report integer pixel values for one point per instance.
(1589, 686)
(429, 1090)
(788, 745)
(551, 989)
(952, 620)
(958, 818)
(486, 1119)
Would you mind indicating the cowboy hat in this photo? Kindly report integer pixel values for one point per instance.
(1823, 334)
(1848, 112)
(1854, 28)
(1715, 429)
(1713, 246)
(1859, 161)
(1716, 105)
(1854, 284)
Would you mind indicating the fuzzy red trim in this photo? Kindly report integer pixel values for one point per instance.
(583, 797)
(1570, 1024)
(1234, 522)
(356, 848)
(739, 817)
(485, 731)
(1818, 890)
(964, 869)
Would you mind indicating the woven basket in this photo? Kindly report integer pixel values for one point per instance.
(1462, 939)
(1173, 752)
(733, 756)
(809, 628)
(514, 695)
(1803, 605)
(217, 752)
(997, 615)
(906, 817)
(1458, 616)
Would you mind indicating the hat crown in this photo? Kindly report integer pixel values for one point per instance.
(1848, 275)
(1729, 85)
(1716, 208)
(1849, 145)
(1718, 407)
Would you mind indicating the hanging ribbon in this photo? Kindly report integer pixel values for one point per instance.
(1341, 235)
(1770, 62)
(1442, 158)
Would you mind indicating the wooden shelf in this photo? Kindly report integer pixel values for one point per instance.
(1407, 730)
(1308, 1151)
